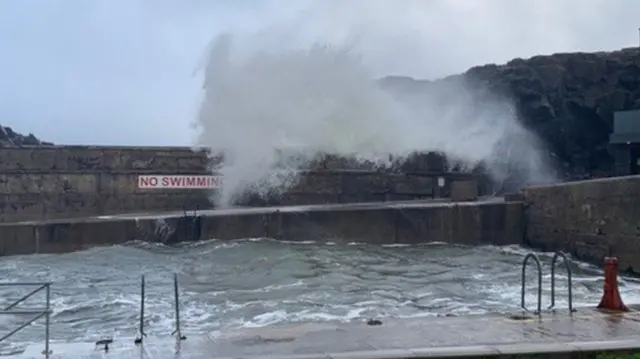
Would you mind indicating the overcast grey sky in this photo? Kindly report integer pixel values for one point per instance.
(122, 71)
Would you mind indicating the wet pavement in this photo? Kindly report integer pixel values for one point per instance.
(586, 330)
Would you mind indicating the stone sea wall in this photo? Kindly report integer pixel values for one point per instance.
(71, 181)
(38, 183)
(589, 219)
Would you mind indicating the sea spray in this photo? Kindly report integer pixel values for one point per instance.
(318, 99)
(308, 101)
(475, 128)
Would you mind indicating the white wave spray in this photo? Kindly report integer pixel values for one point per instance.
(323, 99)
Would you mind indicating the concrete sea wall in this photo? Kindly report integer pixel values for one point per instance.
(39, 183)
(472, 223)
(589, 219)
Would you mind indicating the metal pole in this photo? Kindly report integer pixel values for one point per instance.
(177, 307)
(142, 334)
(570, 290)
(47, 318)
(539, 266)
(177, 304)
(553, 282)
(142, 306)
(522, 283)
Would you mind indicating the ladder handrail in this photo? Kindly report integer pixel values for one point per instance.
(37, 314)
(176, 293)
(524, 272)
(191, 223)
(556, 256)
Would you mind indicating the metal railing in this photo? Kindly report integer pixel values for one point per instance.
(176, 292)
(556, 256)
(46, 312)
(35, 314)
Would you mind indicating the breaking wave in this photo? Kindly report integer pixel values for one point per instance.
(281, 107)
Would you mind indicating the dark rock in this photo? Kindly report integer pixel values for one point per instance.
(9, 138)
(567, 99)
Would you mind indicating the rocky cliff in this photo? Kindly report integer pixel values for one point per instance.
(567, 99)
(9, 137)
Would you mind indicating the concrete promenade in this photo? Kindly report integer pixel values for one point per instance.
(586, 333)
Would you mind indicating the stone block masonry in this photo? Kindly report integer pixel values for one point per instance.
(40, 183)
(589, 219)
(74, 181)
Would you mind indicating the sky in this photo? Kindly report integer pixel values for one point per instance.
(125, 72)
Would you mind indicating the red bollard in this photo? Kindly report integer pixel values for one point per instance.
(611, 297)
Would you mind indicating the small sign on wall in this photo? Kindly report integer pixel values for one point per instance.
(179, 182)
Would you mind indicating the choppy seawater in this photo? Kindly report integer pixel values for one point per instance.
(96, 293)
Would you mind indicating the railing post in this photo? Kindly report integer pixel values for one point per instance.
(141, 326)
(47, 318)
(553, 280)
(177, 308)
(524, 277)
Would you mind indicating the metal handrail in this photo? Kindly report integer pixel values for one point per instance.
(37, 314)
(556, 256)
(524, 272)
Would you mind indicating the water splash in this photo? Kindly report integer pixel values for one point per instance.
(321, 98)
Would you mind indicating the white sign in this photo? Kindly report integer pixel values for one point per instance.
(179, 181)
(441, 182)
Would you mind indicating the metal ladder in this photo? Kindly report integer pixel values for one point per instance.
(35, 314)
(192, 225)
(536, 260)
(176, 293)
